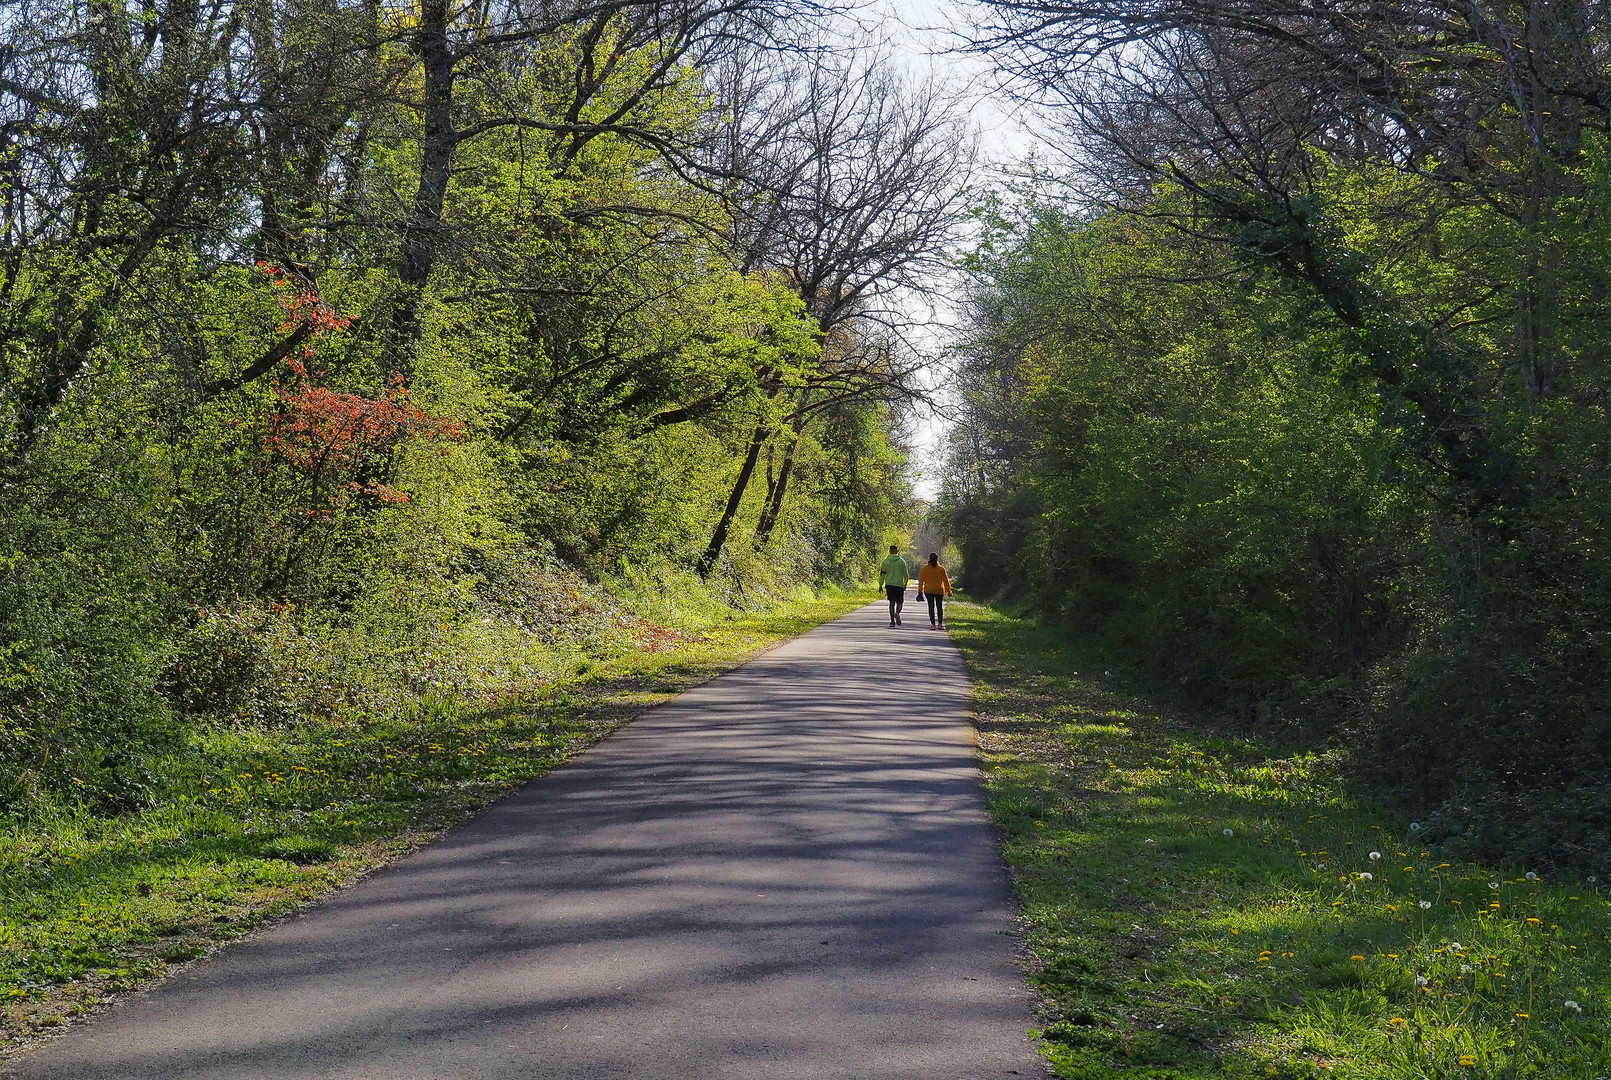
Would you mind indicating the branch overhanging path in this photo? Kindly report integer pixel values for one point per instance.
(786, 872)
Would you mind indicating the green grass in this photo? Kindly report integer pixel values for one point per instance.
(1204, 905)
(255, 822)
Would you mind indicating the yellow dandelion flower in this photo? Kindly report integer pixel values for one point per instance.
(1356, 957)
(1399, 1021)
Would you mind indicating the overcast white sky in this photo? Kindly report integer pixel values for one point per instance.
(921, 33)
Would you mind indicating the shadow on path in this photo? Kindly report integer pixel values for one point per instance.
(786, 872)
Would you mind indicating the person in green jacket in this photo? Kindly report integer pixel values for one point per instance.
(893, 577)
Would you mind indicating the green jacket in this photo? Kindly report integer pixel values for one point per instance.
(892, 571)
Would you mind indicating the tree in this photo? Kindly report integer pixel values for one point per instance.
(852, 185)
(1410, 200)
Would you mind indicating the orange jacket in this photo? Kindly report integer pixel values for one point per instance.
(933, 579)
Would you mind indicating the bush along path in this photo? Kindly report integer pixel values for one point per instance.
(1205, 906)
(259, 821)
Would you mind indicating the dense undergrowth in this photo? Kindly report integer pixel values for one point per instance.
(249, 820)
(1205, 903)
(1317, 490)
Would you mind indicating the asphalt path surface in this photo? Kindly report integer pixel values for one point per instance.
(785, 872)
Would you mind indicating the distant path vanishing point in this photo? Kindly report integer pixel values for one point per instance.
(785, 872)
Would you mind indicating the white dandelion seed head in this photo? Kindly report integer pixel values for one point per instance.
(1420, 980)
(1592, 879)
(1531, 876)
(1320, 866)
(1367, 877)
(1574, 1006)
(1415, 826)
(1228, 832)
(1375, 855)
(1425, 904)
(1493, 884)
(1465, 969)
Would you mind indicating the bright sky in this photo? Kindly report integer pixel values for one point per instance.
(921, 33)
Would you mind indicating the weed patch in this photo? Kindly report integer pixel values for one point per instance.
(1205, 906)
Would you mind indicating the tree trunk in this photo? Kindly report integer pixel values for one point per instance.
(422, 232)
(718, 539)
(777, 491)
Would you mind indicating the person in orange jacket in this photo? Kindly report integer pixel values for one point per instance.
(935, 585)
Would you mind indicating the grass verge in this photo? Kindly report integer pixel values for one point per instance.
(260, 821)
(1207, 906)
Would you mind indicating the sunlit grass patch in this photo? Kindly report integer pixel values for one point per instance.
(1205, 905)
(258, 820)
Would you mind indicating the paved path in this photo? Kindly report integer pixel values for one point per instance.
(786, 872)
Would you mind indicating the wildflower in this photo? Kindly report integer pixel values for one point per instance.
(1375, 855)
(1468, 1059)
(1361, 958)
(1524, 1016)
(1227, 832)
(1533, 922)
(1367, 877)
(1531, 876)
(1399, 1021)
(1424, 905)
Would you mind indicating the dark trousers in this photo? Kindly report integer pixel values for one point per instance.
(936, 607)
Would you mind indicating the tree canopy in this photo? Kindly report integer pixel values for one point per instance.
(334, 335)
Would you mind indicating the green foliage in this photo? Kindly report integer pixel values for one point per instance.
(1204, 904)
(251, 473)
(1180, 448)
